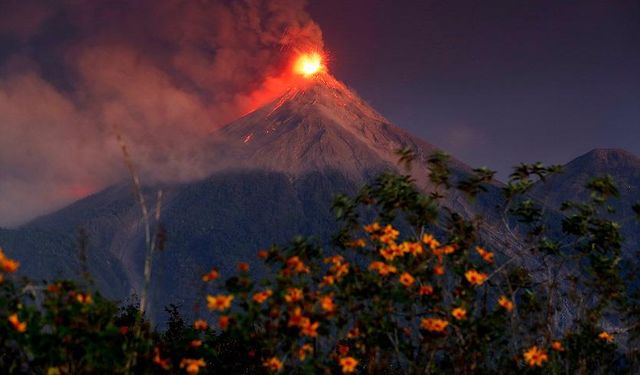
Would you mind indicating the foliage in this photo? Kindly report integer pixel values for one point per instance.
(409, 286)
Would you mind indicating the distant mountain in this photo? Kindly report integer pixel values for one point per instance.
(622, 166)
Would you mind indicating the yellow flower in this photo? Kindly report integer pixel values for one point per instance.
(273, 364)
(535, 357)
(293, 295)
(557, 346)
(211, 275)
(486, 255)
(430, 241)
(475, 277)
(200, 325)
(219, 302)
(304, 351)
(348, 364)
(16, 323)
(53, 371)
(192, 366)
(505, 303)
(84, 299)
(383, 268)
(327, 304)
(434, 324)
(260, 297)
(606, 336)
(459, 313)
(406, 279)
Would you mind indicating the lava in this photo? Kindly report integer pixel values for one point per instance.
(309, 64)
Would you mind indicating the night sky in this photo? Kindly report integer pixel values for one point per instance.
(495, 82)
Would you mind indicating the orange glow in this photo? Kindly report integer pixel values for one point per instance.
(309, 64)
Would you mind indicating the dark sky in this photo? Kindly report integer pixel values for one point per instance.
(494, 82)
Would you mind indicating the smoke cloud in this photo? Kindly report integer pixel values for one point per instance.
(162, 73)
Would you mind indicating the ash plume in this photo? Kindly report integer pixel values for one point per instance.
(162, 73)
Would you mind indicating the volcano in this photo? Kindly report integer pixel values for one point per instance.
(279, 167)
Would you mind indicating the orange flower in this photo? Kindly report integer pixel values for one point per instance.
(294, 264)
(263, 254)
(353, 333)
(327, 280)
(357, 243)
(195, 343)
(446, 249)
(223, 322)
(383, 268)
(243, 267)
(438, 270)
(16, 323)
(389, 234)
(260, 297)
(84, 299)
(459, 313)
(212, 275)
(371, 228)
(340, 270)
(192, 366)
(336, 260)
(535, 357)
(164, 363)
(295, 317)
(273, 364)
(413, 248)
(388, 253)
(343, 349)
(486, 255)
(219, 302)
(474, 277)
(434, 324)
(327, 304)
(505, 303)
(606, 336)
(200, 325)
(557, 346)
(307, 328)
(348, 364)
(293, 295)
(304, 351)
(406, 279)
(6, 264)
(430, 241)
(426, 290)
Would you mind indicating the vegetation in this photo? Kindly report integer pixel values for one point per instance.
(409, 286)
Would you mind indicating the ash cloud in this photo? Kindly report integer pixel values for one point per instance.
(162, 73)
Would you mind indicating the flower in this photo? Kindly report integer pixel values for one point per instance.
(307, 328)
(164, 363)
(505, 303)
(84, 299)
(293, 295)
(557, 346)
(16, 323)
(606, 336)
(474, 277)
(327, 304)
(348, 364)
(6, 264)
(260, 297)
(192, 366)
(327, 280)
(263, 254)
(389, 235)
(430, 241)
(353, 333)
(425, 290)
(243, 267)
(294, 264)
(223, 322)
(304, 350)
(434, 324)
(406, 279)
(211, 275)
(535, 356)
(438, 270)
(459, 313)
(273, 364)
(382, 268)
(219, 302)
(200, 325)
(295, 317)
(357, 243)
(371, 228)
(486, 255)
(195, 343)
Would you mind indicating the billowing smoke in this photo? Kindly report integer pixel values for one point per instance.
(161, 73)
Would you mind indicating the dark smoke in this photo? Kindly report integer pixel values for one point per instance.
(162, 73)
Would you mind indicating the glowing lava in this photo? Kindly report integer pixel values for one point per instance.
(309, 64)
